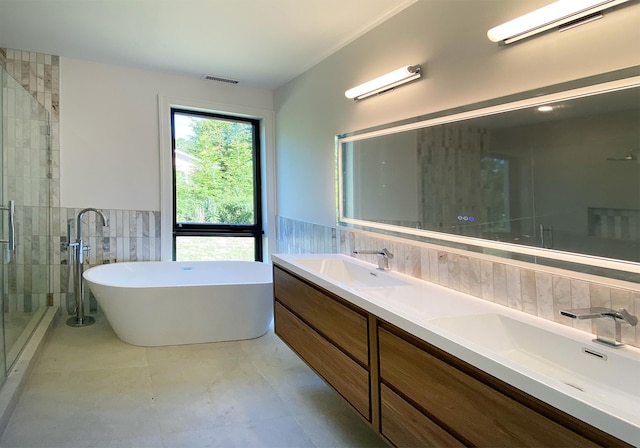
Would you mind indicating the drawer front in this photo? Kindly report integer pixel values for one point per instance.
(475, 412)
(337, 369)
(405, 426)
(341, 325)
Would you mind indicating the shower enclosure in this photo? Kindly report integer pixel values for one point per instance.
(25, 217)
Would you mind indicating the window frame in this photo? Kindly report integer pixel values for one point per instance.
(256, 230)
(260, 107)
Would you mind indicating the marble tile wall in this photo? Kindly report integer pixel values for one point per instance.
(27, 179)
(39, 74)
(522, 286)
(614, 224)
(28, 269)
(131, 235)
(448, 157)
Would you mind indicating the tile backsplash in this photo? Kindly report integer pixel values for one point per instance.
(526, 287)
(130, 235)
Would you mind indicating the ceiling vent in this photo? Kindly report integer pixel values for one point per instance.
(219, 79)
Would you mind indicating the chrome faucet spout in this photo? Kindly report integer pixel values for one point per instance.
(81, 215)
(383, 257)
(605, 333)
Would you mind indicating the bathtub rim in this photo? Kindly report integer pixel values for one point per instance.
(89, 278)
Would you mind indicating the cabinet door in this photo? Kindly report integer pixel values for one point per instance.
(405, 426)
(471, 410)
(341, 372)
(340, 324)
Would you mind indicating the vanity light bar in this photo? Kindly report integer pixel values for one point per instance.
(547, 17)
(385, 82)
(580, 92)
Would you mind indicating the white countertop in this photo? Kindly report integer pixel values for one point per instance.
(418, 307)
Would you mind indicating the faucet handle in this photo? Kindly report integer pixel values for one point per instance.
(385, 253)
(631, 319)
(623, 314)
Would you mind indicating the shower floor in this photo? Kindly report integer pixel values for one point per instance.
(89, 389)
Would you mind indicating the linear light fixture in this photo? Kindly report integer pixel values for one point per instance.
(556, 14)
(385, 83)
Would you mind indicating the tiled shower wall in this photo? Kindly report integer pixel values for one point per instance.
(131, 235)
(27, 172)
(522, 286)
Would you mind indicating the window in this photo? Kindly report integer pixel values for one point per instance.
(216, 186)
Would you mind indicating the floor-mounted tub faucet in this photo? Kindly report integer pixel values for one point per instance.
(383, 257)
(605, 332)
(79, 248)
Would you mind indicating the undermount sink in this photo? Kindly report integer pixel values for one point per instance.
(601, 373)
(351, 274)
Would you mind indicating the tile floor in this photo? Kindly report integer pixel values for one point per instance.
(17, 328)
(89, 389)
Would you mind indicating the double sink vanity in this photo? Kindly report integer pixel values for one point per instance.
(429, 366)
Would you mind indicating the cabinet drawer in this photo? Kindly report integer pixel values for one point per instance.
(404, 425)
(474, 412)
(340, 324)
(342, 373)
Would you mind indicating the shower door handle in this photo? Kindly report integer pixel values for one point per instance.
(11, 238)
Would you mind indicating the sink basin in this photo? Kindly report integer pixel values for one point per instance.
(601, 373)
(351, 274)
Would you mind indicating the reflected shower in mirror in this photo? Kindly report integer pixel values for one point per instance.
(553, 174)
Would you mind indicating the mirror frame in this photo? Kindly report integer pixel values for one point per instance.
(594, 85)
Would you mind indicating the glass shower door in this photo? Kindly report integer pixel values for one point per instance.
(4, 284)
(25, 191)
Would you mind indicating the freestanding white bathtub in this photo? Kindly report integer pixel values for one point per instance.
(178, 302)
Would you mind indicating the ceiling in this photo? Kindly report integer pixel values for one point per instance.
(263, 43)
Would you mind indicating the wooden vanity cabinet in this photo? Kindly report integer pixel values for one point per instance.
(404, 425)
(341, 323)
(474, 412)
(413, 393)
(328, 334)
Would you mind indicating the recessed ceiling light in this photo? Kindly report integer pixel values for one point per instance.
(545, 108)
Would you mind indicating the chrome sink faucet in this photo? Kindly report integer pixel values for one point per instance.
(383, 257)
(605, 332)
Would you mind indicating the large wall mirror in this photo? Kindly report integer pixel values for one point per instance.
(551, 176)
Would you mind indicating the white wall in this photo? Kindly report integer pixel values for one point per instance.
(109, 144)
(448, 37)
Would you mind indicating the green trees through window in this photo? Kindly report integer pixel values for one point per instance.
(214, 172)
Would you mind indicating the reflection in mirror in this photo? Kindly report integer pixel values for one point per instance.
(559, 181)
